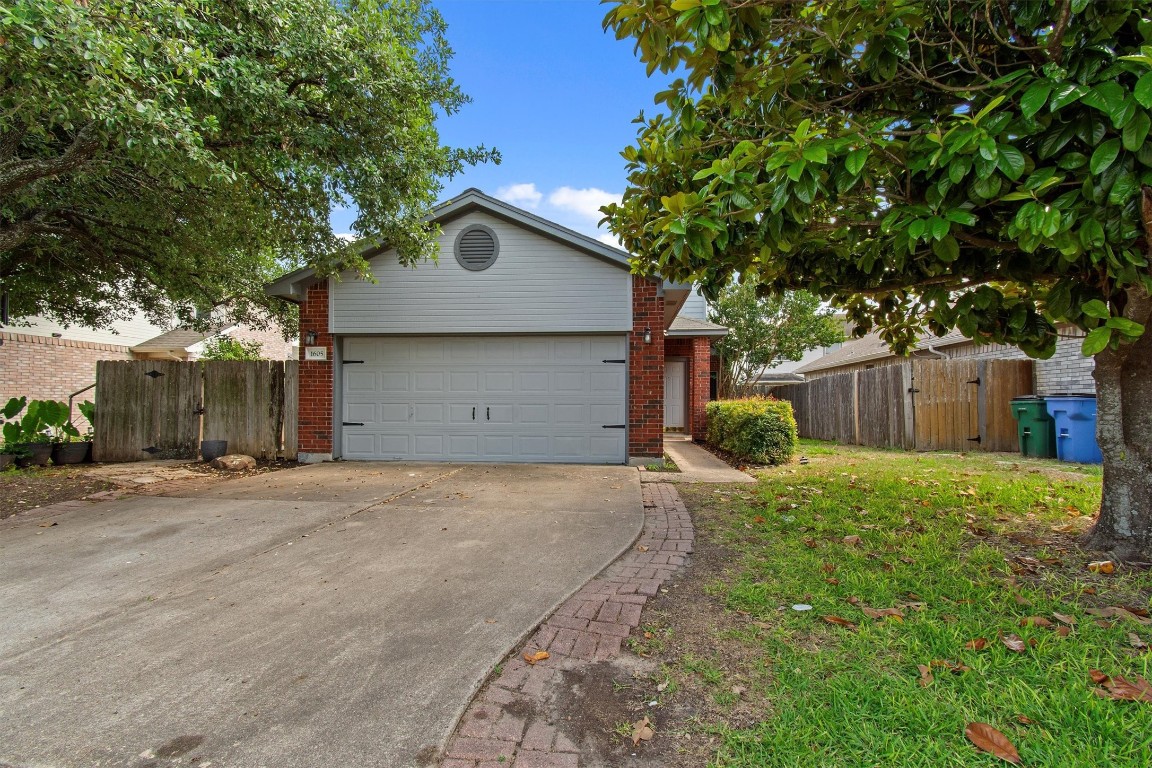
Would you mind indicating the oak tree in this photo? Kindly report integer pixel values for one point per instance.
(175, 154)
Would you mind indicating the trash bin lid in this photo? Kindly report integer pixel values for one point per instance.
(1091, 395)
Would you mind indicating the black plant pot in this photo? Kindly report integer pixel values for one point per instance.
(213, 449)
(7, 460)
(71, 453)
(39, 454)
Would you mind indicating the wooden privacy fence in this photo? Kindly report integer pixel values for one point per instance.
(925, 405)
(159, 409)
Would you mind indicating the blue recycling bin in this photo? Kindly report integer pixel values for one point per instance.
(1075, 418)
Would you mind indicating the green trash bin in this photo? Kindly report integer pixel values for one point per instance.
(1035, 427)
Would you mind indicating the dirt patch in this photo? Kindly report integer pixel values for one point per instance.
(25, 489)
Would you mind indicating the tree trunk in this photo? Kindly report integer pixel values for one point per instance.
(1124, 432)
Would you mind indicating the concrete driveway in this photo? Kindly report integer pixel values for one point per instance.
(332, 615)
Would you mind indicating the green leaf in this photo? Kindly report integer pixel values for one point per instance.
(1014, 196)
(1096, 308)
(1011, 161)
(1143, 90)
(796, 170)
(1035, 97)
(814, 154)
(1065, 95)
(1092, 236)
(1070, 161)
(1136, 131)
(961, 217)
(855, 161)
(1127, 327)
(1123, 189)
(946, 249)
(1104, 156)
(801, 131)
(1096, 341)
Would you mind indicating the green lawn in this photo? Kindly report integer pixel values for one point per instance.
(965, 547)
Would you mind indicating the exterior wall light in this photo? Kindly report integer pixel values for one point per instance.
(309, 338)
(647, 335)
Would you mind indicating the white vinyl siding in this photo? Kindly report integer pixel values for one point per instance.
(694, 306)
(125, 333)
(488, 398)
(536, 285)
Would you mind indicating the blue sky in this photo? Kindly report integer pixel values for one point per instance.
(554, 93)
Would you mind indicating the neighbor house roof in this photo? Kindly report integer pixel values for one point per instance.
(177, 338)
(292, 285)
(690, 326)
(871, 347)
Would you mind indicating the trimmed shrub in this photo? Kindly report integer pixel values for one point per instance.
(756, 429)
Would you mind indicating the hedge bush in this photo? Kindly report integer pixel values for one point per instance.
(756, 429)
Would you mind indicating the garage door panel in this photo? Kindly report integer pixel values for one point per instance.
(485, 399)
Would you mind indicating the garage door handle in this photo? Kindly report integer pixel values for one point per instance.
(473, 413)
(613, 361)
(353, 423)
(488, 414)
(615, 426)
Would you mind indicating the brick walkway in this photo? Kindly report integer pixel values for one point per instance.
(507, 724)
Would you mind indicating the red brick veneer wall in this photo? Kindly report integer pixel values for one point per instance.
(47, 368)
(315, 417)
(697, 351)
(646, 370)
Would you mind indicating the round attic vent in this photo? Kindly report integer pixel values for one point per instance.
(477, 247)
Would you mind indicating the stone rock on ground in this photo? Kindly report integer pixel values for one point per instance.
(233, 462)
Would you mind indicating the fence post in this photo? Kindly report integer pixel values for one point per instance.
(907, 384)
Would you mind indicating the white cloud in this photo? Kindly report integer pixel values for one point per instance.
(610, 239)
(520, 194)
(583, 202)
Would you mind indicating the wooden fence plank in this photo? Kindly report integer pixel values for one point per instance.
(244, 404)
(291, 409)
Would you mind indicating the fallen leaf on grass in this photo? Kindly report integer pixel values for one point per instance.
(925, 675)
(1136, 642)
(880, 613)
(1064, 618)
(1035, 621)
(1024, 720)
(810, 542)
(642, 731)
(1102, 566)
(988, 739)
(839, 621)
(834, 582)
(1120, 689)
(1116, 612)
(662, 687)
(1021, 600)
(852, 540)
(853, 600)
(532, 658)
(1063, 631)
(978, 644)
(1015, 644)
(828, 567)
(954, 667)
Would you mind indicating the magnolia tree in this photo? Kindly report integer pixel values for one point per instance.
(764, 331)
(977, 164)
(175, 154)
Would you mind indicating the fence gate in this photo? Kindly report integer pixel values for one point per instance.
(146, 410)
(162, 409)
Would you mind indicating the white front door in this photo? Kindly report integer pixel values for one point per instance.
(675, 377)
(486, 398)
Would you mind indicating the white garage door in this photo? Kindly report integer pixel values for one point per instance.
(488, 398)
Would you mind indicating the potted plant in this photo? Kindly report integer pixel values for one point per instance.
(8, 450)
(69, 445)
(30, 432)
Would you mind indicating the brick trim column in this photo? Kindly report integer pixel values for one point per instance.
(700, 385)
(646, 371)
(316, 394)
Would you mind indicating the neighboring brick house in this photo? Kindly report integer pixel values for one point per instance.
(186, 344)
(1068, 371)
(525, 341)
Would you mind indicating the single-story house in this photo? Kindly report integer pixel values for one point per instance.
(524, 342)
(187, 344)
(1068, 371)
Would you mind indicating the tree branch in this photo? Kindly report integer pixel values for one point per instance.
(15, 174)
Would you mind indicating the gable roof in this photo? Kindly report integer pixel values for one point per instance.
(293, 285)
(691, 326)
(177, 338)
